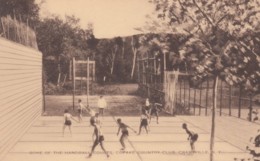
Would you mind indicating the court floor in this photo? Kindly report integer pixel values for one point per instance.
(166, 141)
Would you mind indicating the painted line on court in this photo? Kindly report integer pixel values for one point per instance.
(139, 156)
(215, 136)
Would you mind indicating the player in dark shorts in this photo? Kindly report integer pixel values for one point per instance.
(99, 139)
(67, 121)
(143, 123)
(95, 119)
(155, 111)
(193, 137)
(123, 127)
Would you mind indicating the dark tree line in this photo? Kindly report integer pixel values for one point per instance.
(60, 40)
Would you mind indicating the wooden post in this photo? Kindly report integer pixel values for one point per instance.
(189, 97)
(200, 98)
(184, 90)
(212, 136)
(87, 80)
(70, 70)
(138, 71)
(81, 73)
(194, 101)
(43, 90)
(176, 99)
(144, 77)
(27, 32)
(4, 31)
(239, 102)
(221, 97)
(207, 93)
(250, 107)
(94, 71)
(154, 72)
(230, 99)
(180, 92)
(73, 80)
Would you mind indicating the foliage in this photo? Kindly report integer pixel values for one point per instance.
(60, 41)
(223, 41)
(16, 31)
(222, 37)
(113, 59)
(26, 11)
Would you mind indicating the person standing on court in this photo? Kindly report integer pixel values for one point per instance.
(147, 105)
(80, 110)
(67, 122)
(102, 104)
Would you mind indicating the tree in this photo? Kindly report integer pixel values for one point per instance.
(135, 46)
(24, 10)
(218, 32)
(60, 41)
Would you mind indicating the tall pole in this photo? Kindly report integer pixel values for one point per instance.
(87, 80)
(212, 136)
(73, 77)
(43, 89)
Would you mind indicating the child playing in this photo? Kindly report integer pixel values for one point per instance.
(67, 121)
(193, 137)
(123, 127)
(95, 119)
(155, 111)
(80, 110)
(99, 139)
(143, 123)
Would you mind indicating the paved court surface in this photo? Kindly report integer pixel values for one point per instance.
(166, 141)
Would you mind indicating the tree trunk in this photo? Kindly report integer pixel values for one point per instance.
(134, 61)
(212, 137)
(123, 48)
(113, 63)
(134, 58)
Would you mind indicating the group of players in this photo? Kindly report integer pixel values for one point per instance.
(147, 112)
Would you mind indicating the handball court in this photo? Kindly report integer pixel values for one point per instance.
(166, 141)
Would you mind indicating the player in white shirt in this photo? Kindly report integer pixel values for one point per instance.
(102, 104)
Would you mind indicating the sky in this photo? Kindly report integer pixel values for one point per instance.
(110, 18)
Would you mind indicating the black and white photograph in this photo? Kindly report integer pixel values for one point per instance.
(129, 80)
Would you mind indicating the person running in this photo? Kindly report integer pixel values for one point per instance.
(193, 137)
(143, 123)
(123, 127)
(67, 122)
(155, 111)
(102, 104)
(99, 139)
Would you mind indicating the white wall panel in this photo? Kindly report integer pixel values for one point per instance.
(20, 91)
